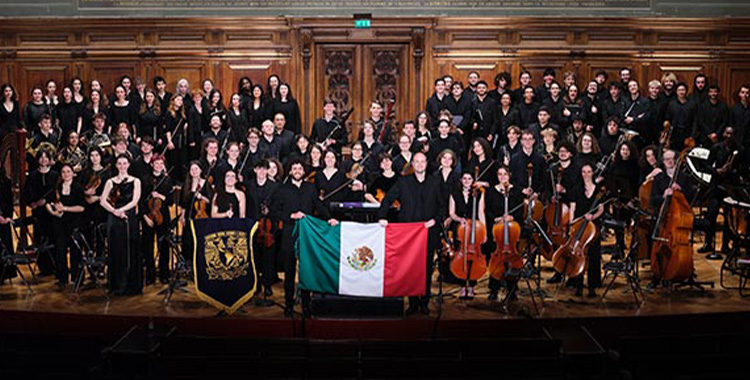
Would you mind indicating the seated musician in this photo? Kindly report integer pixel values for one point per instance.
(495, 212)
(418, 195)
(460, 210)
(725, 172)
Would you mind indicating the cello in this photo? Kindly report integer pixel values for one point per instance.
(557, 217)
(570, 258)
(468, 263)
(506, 236)
(672, 252)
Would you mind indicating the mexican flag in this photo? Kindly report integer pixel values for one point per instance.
(362, 259)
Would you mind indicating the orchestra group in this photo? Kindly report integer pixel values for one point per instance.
(498, 175)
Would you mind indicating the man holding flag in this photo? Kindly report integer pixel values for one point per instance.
(294, 200)
(418, 195)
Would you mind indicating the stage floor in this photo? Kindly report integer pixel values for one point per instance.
(618, 303)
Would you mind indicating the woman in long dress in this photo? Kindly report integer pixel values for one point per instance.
(120, 197)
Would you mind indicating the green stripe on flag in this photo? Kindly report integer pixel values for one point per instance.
(318, 248)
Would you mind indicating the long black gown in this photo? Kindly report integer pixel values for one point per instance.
(125, 262)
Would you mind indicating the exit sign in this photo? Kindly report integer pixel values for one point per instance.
(362, 23)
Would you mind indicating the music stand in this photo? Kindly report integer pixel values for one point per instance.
(180, 268)
(628, 267)
(89, 262)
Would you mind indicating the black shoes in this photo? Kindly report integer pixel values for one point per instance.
(555, 279)
(706, 248)
(412, 309)
(493, 295)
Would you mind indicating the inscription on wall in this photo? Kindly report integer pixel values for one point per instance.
(324, 4)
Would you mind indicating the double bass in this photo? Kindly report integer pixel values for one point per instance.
(506, 236)
(468, 263)
(557, 217)
(671, 251)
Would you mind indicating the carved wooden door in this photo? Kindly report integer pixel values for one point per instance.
(354, 75)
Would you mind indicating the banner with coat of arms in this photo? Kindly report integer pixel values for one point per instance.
(224, 269)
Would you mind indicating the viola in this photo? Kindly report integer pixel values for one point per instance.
(557, 217)
(506, 236)
(468, 263)
(380, 195)
(265, 234)
(672, 251)
(200, 207)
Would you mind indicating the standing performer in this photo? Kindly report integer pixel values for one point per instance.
(418, 196)
(65, 204)
(293, 200)
(228, 202)
(156, 219)
(327, 131)
(460, 211)
(582, 201)
(120, 197)
(259, 194)
(195, 203)
(39, 185)
(495, 212)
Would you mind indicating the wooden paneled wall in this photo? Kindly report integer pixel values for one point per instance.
(397, 58)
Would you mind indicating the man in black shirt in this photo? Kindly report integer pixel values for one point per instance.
(327, 130)
(484, 118)
(418, 195)
(542, 92)
(259, 193)
(438, 101)
(502, 85)
(739, 118)
(682, 115)
(699, 94)
(519, 163)
(270, 142)
(713, 115)
(543, 122)
(292, 201)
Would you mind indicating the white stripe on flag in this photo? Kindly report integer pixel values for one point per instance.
(359, 275)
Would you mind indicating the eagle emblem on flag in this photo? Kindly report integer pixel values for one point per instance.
(226, 254)
(362, 259)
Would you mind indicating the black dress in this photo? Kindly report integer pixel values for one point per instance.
(238, 125)
(123, 114)
(291, 112)
(32, 114)
(63, 229)
(327, 186)
(594, 255)
(68, 114)
(226, 201)
(125, 258)
(151, 124)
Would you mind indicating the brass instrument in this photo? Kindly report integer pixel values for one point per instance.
(45, 146)
(75, 159)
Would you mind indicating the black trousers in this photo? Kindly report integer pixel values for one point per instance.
(433, 240)
(264, 260)
(290, 273)
(149, 233)
(713, 206)
(64, 241)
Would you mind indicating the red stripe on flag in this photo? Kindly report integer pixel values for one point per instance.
(405, 260)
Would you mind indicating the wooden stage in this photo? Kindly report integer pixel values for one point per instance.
(46, 298)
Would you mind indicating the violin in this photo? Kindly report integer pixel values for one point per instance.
(534, 208)
(570, 258)
(672, 251)
(155, 204)
(265, 232)
(468, 263)
(380, 195)
(95, 180)
(506, 236)
(357, 169)
(114, 194)
(557, 216)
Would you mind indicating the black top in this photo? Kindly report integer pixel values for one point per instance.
(123, 114)
(519, 176)
(88, 117)
(237, 125)
(527, 113)
(9, 121)
(436, 104)
(419, 200)
(289, 199)
(256, 116)
(323, 128)
(328, 185)
(461, 107)
(291, 112)
(464, 204)
(259, 199)
(583, 203)
(68, 114)
(494, 206)
(382, 183)
(39, 185)
(33, 113)
(162, 185)
(226, 201)
(70, 220)
(151, 124)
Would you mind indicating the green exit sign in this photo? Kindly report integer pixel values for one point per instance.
(362, 24)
